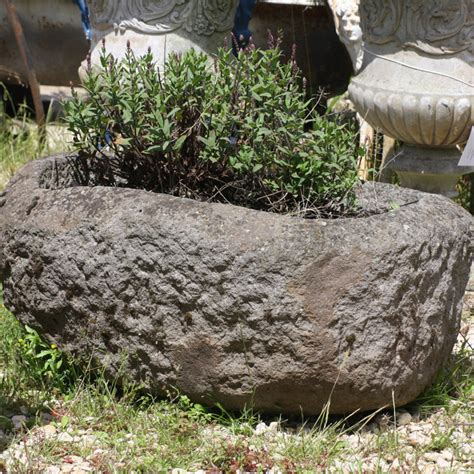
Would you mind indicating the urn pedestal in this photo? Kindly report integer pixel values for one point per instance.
(164, 26)
(417, 85)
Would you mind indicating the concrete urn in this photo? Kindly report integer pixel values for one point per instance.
(417, 85)
(164, 26)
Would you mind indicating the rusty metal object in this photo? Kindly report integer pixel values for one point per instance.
(27, 60)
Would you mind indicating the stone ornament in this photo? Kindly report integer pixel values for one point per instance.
(202, 17)
(433, 27)
(417, 84)
(347, 21)
(164, 26)
(415, 118)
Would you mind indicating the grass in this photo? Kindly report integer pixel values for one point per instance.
(19, 143)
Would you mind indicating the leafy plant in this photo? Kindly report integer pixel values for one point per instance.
(28, 356)
(465, 188)
(238, 130)
(43, 359)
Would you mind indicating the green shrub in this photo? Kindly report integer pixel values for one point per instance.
(26, 359)
(238, 130)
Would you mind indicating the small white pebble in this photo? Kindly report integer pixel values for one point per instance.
(418, 439)
(47, 431)
(274, 426)
(65, 438)
(71, 459)
(403, 418)
(52, 470)
(261, 428)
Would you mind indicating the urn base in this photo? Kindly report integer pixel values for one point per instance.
(432, 170)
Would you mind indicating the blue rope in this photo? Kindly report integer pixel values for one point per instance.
(241, 30)
(82, 4)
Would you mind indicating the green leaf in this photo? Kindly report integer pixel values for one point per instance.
(247, 117)
(44, 353)
(178, 144)
(65, 420)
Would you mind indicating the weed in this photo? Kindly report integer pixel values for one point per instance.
(440, 439)
(19, 141)
(30, 365)
(454, 381)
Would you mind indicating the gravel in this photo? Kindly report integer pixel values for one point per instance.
(414, 445)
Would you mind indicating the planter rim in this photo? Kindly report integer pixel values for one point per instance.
(375, 199)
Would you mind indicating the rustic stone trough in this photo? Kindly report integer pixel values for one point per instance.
(233, 305)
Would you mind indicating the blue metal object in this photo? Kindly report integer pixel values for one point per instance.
(241, 30)
(82, 4)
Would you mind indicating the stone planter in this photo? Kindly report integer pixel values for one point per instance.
(237, 306)
(416, 85)
(163, 26)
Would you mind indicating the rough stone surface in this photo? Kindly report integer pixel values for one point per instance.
(237, 306)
